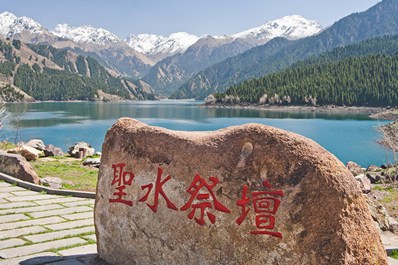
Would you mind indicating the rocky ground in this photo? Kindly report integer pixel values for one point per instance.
(48, 165)
(380, 186)
(380, 113)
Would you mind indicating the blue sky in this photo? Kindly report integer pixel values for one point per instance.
(199, 17)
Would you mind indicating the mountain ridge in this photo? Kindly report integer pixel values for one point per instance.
(31, 72)
(172, 72)
(378, 20)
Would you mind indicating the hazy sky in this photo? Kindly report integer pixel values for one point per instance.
(199, 17)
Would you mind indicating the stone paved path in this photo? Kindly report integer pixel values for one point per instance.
(37, 228)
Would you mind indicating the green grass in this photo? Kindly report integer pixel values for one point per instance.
(5, 145)
(383, 188)
(394, 254)
(73, 173)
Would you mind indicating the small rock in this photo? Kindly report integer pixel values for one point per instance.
(393, 225)
(373, 168)
(354, 168)
(37, 144)
(94, 162)
(51, 150)
(16, 166)
(364, 183)
(374, 177)
(81, 150)
(28, 152)
(53, 182)
(386, 166)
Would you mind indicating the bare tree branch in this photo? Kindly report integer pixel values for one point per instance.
(3, 114)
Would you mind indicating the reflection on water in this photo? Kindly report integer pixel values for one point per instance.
(348, 136)
(54, 113)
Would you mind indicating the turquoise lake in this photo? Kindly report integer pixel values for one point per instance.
(348, 136)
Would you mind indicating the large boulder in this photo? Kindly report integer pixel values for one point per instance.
(249, 194)
(37, 144)
(16, 166)
(29, 153)
(81, 150)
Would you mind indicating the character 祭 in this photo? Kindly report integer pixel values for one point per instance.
(197, 184)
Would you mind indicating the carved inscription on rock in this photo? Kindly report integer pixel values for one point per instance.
(249, 194)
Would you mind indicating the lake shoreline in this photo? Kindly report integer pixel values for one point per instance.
(380, 113)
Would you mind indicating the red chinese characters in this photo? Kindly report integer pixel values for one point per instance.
(120, 180)
(206, 199)
(203, 202)
(265, 204)
(158, 191)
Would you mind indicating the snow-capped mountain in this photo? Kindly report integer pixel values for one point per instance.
(107, 48)
(158, 46)
(87, 35)
(290, 27)
(10, 25)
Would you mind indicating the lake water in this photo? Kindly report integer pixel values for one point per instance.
(348, 136)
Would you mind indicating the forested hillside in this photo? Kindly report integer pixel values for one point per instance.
(369, 80)
(41, 72)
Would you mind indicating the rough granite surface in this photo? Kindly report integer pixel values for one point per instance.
(322, 217)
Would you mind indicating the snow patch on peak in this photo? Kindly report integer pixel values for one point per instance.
(290, 27)
(11, 25)
(6, 20)
(26, 23)
(153, 45)
(86, 34)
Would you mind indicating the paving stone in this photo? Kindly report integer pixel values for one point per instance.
(60, 200)
(25, 193)
(13, 242)
(77, 216)
(22, 231)
(10, 205)
(62, 211)
(12, 218)
(4, 184)
(31, 249)
(91, 237)
(36, 259)
(59, 234)
(41, 221)
(79, 203)
(392, 261)
(82, 250)
(31, 209)
(73, 224)
(35, 197)
(5, 195)
(11, 188)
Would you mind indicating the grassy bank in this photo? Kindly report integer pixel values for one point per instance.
(75, 176)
